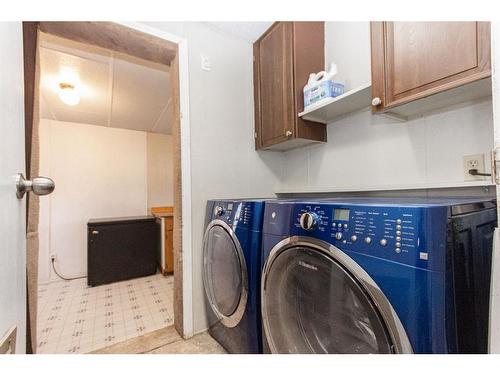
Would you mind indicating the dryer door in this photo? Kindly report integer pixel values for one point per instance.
(315, 299)
(224, 273)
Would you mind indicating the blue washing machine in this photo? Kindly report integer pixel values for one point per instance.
(377, 275)
(231, 273)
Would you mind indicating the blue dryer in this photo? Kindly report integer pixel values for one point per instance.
(377, 275)
(231, 273)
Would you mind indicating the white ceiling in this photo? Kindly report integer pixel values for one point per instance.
(116, 90)
(249, 31)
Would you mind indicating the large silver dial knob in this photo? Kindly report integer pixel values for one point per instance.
(308, 220)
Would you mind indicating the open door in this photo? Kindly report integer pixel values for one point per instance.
(13, 210)
(13, 190)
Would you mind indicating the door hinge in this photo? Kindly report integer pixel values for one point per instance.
(495, 165)
(255, 135)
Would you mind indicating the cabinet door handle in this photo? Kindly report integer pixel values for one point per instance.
(288, 133)
(376, 101)
(95, 232)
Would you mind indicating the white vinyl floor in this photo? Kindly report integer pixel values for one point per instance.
(75, 318)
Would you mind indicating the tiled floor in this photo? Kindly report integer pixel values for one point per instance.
(75, 318)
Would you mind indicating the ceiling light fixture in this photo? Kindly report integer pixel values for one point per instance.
(68, 94)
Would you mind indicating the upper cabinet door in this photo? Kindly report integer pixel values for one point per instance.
(283, 59)
(412, 60)
(274, 53)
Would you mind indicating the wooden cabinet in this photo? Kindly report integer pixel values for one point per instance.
(283, 59)
(413, 60)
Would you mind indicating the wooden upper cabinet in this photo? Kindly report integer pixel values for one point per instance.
(412, 60)
(283, 58)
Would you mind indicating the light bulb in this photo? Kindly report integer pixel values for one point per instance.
(68, 94)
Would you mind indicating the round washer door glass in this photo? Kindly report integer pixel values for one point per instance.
(223, 271)
(312, 304)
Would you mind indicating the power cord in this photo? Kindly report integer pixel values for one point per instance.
(475, 172)
(61, 276)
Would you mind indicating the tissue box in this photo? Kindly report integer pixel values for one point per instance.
(324, 90)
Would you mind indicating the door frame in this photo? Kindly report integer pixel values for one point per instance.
(183, 304)
(494, 313)
(185, 145)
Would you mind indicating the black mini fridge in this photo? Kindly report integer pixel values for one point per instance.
(121, 248)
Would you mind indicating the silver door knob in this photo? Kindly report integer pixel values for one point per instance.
(376, 101)
(39, 186)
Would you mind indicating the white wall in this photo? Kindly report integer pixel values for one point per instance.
(372, 152)
(160, 168)
(223, 161)
(348, 45)
(99, 172)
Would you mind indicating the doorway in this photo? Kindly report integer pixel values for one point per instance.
(127, 45)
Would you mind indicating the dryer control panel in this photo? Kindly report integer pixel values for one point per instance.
(414, 235)
(237, 213)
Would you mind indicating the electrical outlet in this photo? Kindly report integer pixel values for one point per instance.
(474, 162)
(53, 257)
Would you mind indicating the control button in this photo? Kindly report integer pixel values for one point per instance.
(334, 225)
(398, 227)
(398, 221)
(354, 238)
(218, 211)
(397, 250)
(344, 241)
(383, 242)
(368, 240)
(273, 215)
(338, 236)
(398, 233)
(339, 225)
(398, 244)
(345, 226)
(398, 239)
(308, 220)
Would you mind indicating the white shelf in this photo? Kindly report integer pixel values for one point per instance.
(359, 98)
(331, 109)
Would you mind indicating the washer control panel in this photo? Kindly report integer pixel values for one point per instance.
(403, 234)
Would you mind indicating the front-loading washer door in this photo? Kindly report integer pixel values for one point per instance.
(224, 273)
(313, 303)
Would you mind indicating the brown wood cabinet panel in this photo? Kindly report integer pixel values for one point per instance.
(276, 83)
(167, 217)
(283, 59)
(309, 56)
(412, 60)
(169, 244)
